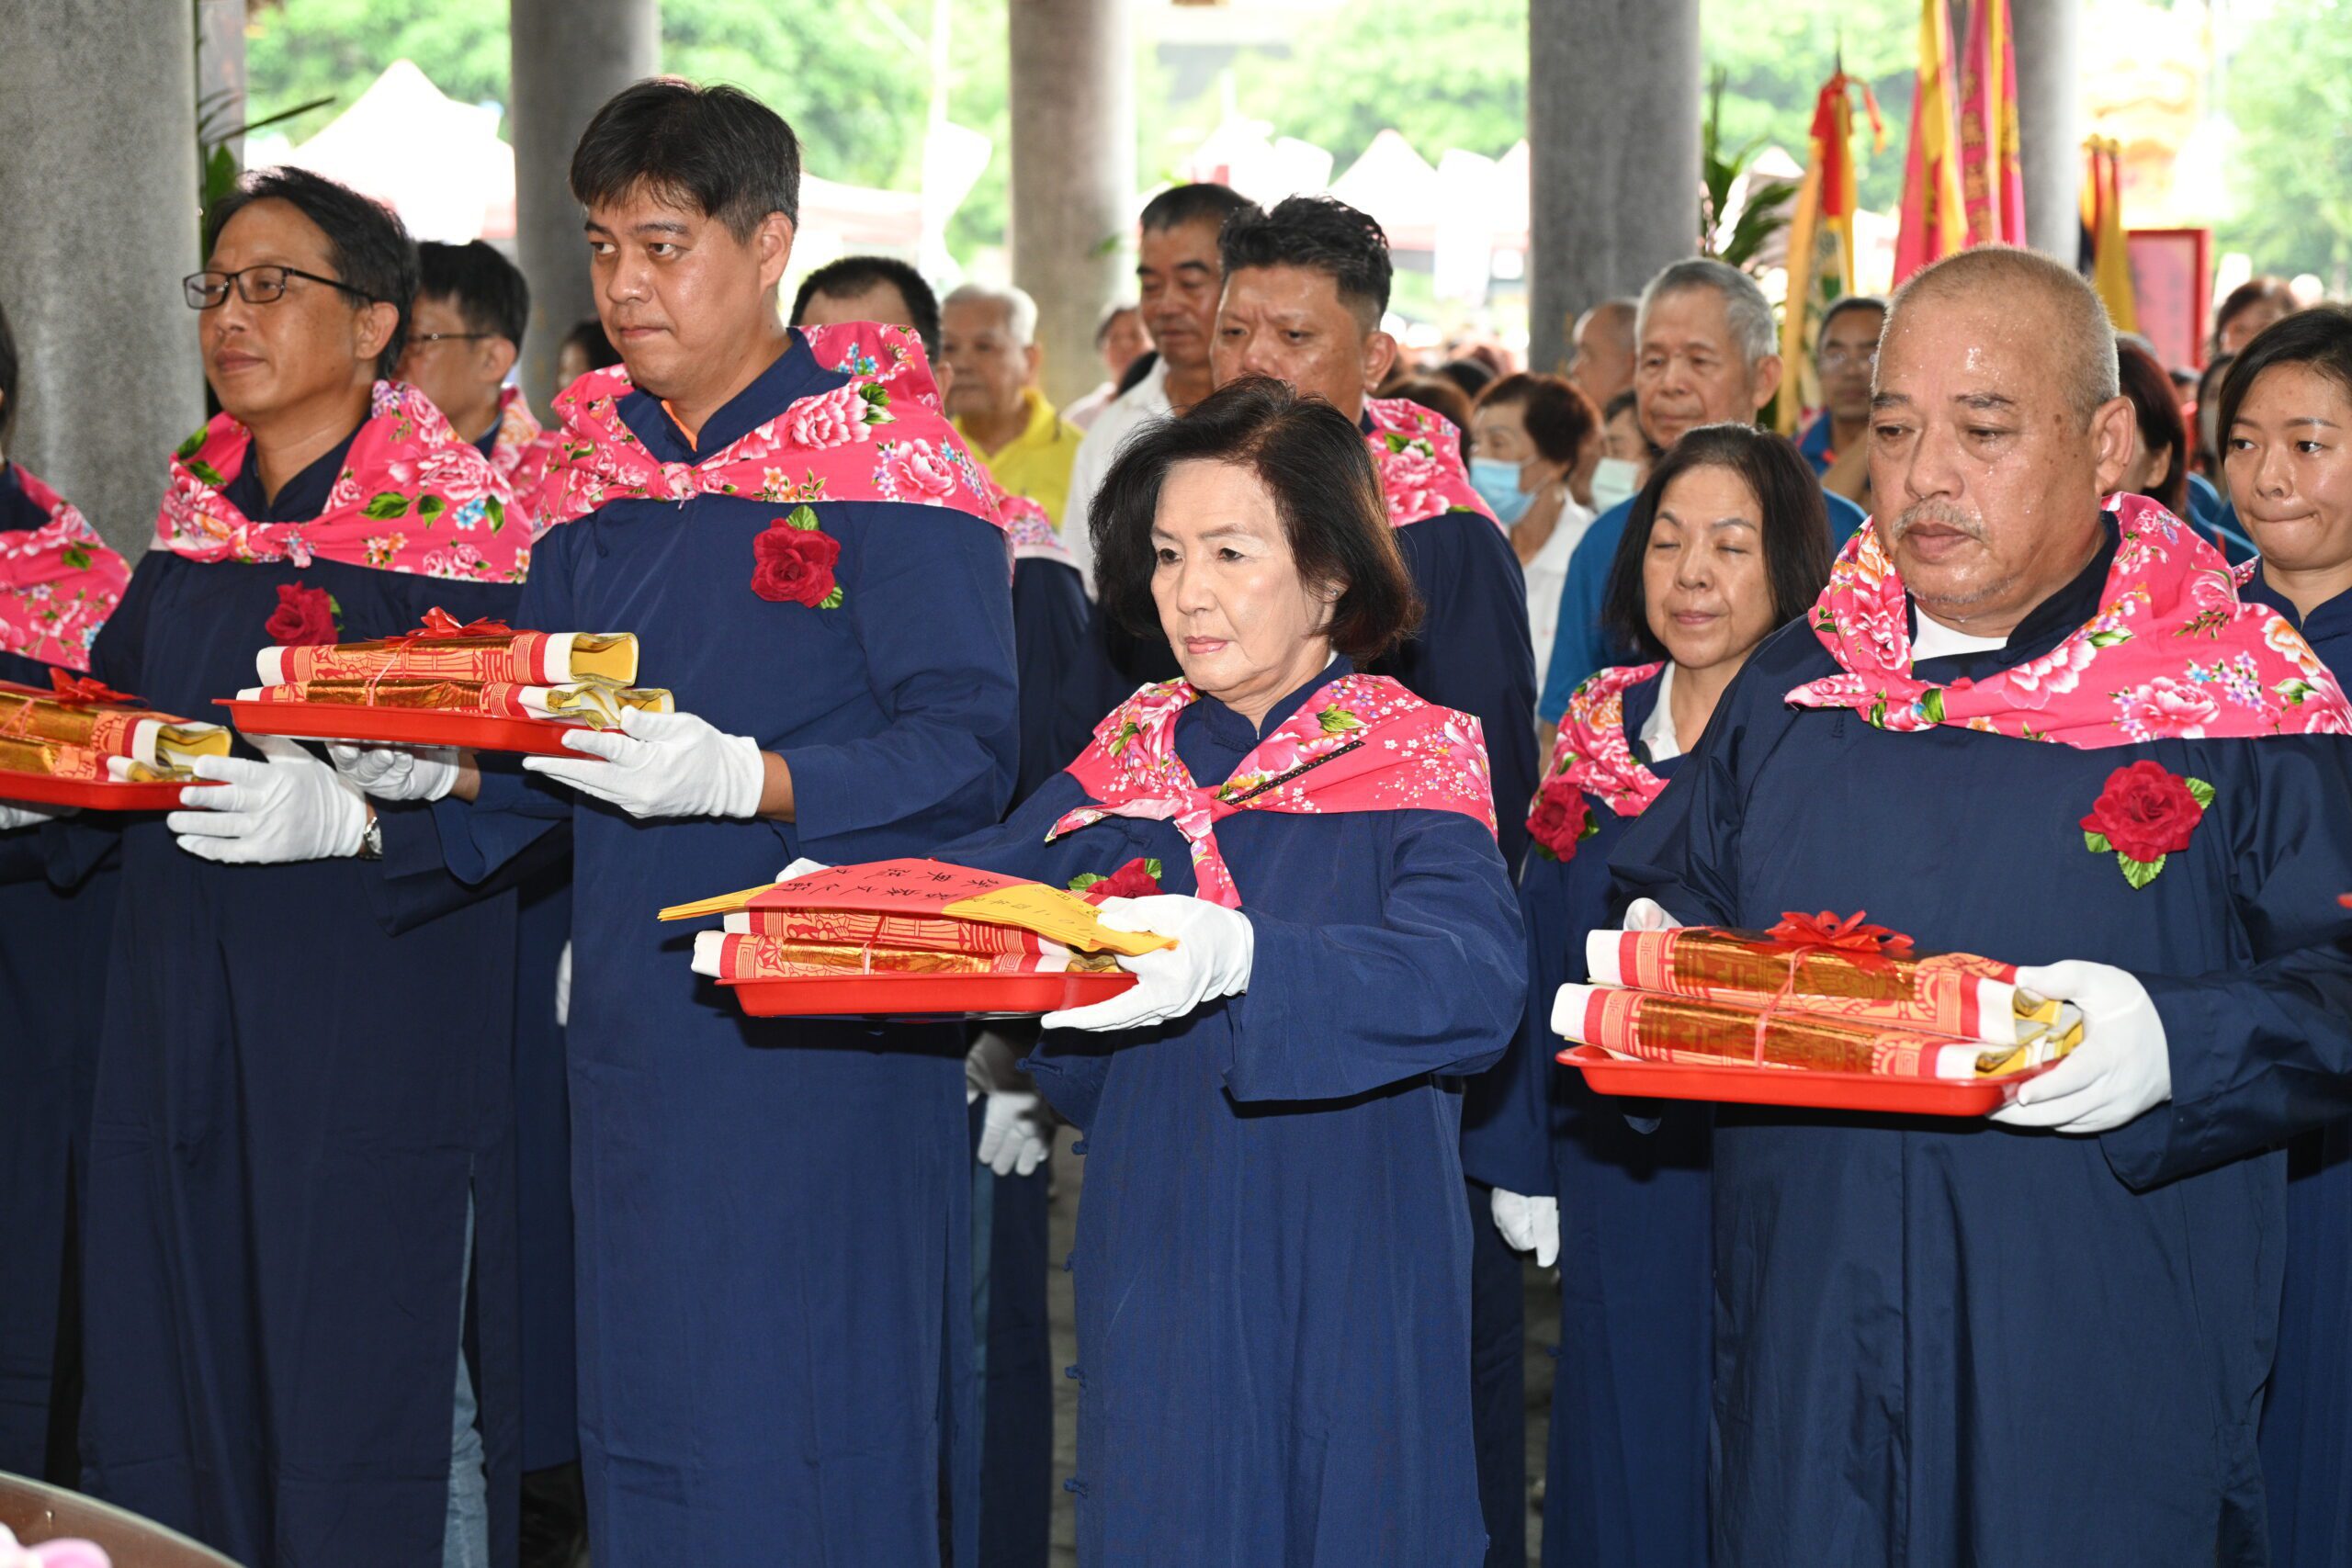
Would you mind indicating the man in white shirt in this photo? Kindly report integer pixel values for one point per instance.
(1180, 280)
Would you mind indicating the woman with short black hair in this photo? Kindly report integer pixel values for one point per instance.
(1273, 1257)
(2159, 465)
(1728, 540)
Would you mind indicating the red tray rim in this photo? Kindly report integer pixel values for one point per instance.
(948, 998)
(1735, 1085)
(417, 726)
(93, 794)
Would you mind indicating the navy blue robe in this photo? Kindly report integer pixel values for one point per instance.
(1273, 1251)
(56, 907)
(291, 1103)
(1942, 1341)
(773, 1217)
(1051, 642)
(2307, 1423)
(1627, 1463)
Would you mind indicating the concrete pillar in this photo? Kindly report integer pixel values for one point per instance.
(220, 67)
(2050, 120)
(97, 115)
(569, 57)
(1073, 175)
(1612, 131)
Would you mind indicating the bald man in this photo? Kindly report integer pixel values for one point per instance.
(2021, 726)
(1602, 364)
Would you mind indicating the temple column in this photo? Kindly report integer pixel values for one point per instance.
(1073, 183)
(1612, 131)
(97, 115)
(570, 56)
(2049, 121)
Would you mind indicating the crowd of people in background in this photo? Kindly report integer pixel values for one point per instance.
(382, 1186)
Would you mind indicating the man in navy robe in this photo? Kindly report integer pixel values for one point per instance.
(1306, 285)
(466, 330)
(2040, 1340)
(303, 1080)
(1011, 1328)
(773, 1217)
(1706, 353)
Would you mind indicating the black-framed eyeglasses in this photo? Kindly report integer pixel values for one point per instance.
(418, 339)
(256, 285)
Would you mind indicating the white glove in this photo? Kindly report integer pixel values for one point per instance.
(2121, 1068)
(1648, 914)
(662, 764)
(290, 808)
(1015, 1137)
(801, 867)
(1214, 949)
(1529, 1224)
(13, 815)
(563, 986)
(397, 772)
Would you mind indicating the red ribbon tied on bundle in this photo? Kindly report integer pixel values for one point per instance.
(1827, 931)
(439, 623)
(1801, 933)
(83, 689)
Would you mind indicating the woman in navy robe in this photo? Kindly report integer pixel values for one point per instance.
(1727, 541)
(296, 1108)
(1272, 1255)
(58, 583)
(2286, 436)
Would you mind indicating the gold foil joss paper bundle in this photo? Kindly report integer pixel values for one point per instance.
(74, 731)
(1813, 993)
(484, 669)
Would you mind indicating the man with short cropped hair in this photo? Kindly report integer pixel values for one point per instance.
(1845, 350)
(2025, 726)
(774, 1213)
(1603, 341)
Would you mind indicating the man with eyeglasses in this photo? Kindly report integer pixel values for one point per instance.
(465, 332)
(302, 1088)
(1844, 350)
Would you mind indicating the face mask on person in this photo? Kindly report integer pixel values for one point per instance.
(1613, 479)
(1497, 483)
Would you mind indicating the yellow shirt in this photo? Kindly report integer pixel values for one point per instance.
(1036, 462)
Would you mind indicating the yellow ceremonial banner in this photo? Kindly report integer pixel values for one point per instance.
(718, 904)
(1057, 917)
(2110, 257)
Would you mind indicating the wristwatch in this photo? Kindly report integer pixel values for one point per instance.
(371, 838)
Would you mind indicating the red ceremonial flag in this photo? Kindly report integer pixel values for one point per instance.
(1992, 174)
(1935, 221)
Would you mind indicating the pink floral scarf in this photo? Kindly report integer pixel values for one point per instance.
(1593, 756)
(1417, 454)
(413, 497)
(1029, 533)
(2176, 653)
(1362, 743)
(522, 452)
(58, 582)
(879, 437)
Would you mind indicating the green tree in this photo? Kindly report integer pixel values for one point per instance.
(855, 87)
(2290, 92)
(1775, 56)
(1445, 73)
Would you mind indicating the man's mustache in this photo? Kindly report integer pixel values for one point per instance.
(1935, 514)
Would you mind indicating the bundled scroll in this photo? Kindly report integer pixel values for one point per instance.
(1812, 995)
(72, 732)
(485, 669)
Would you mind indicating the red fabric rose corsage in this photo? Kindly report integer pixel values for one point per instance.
(1137, 879)
(795, 562)
(1561, 820)
(2144, 814)
(305, 617)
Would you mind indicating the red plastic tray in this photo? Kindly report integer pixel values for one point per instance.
(402, 727)
(90, 795)
(924, 995)
(1787, 1086)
